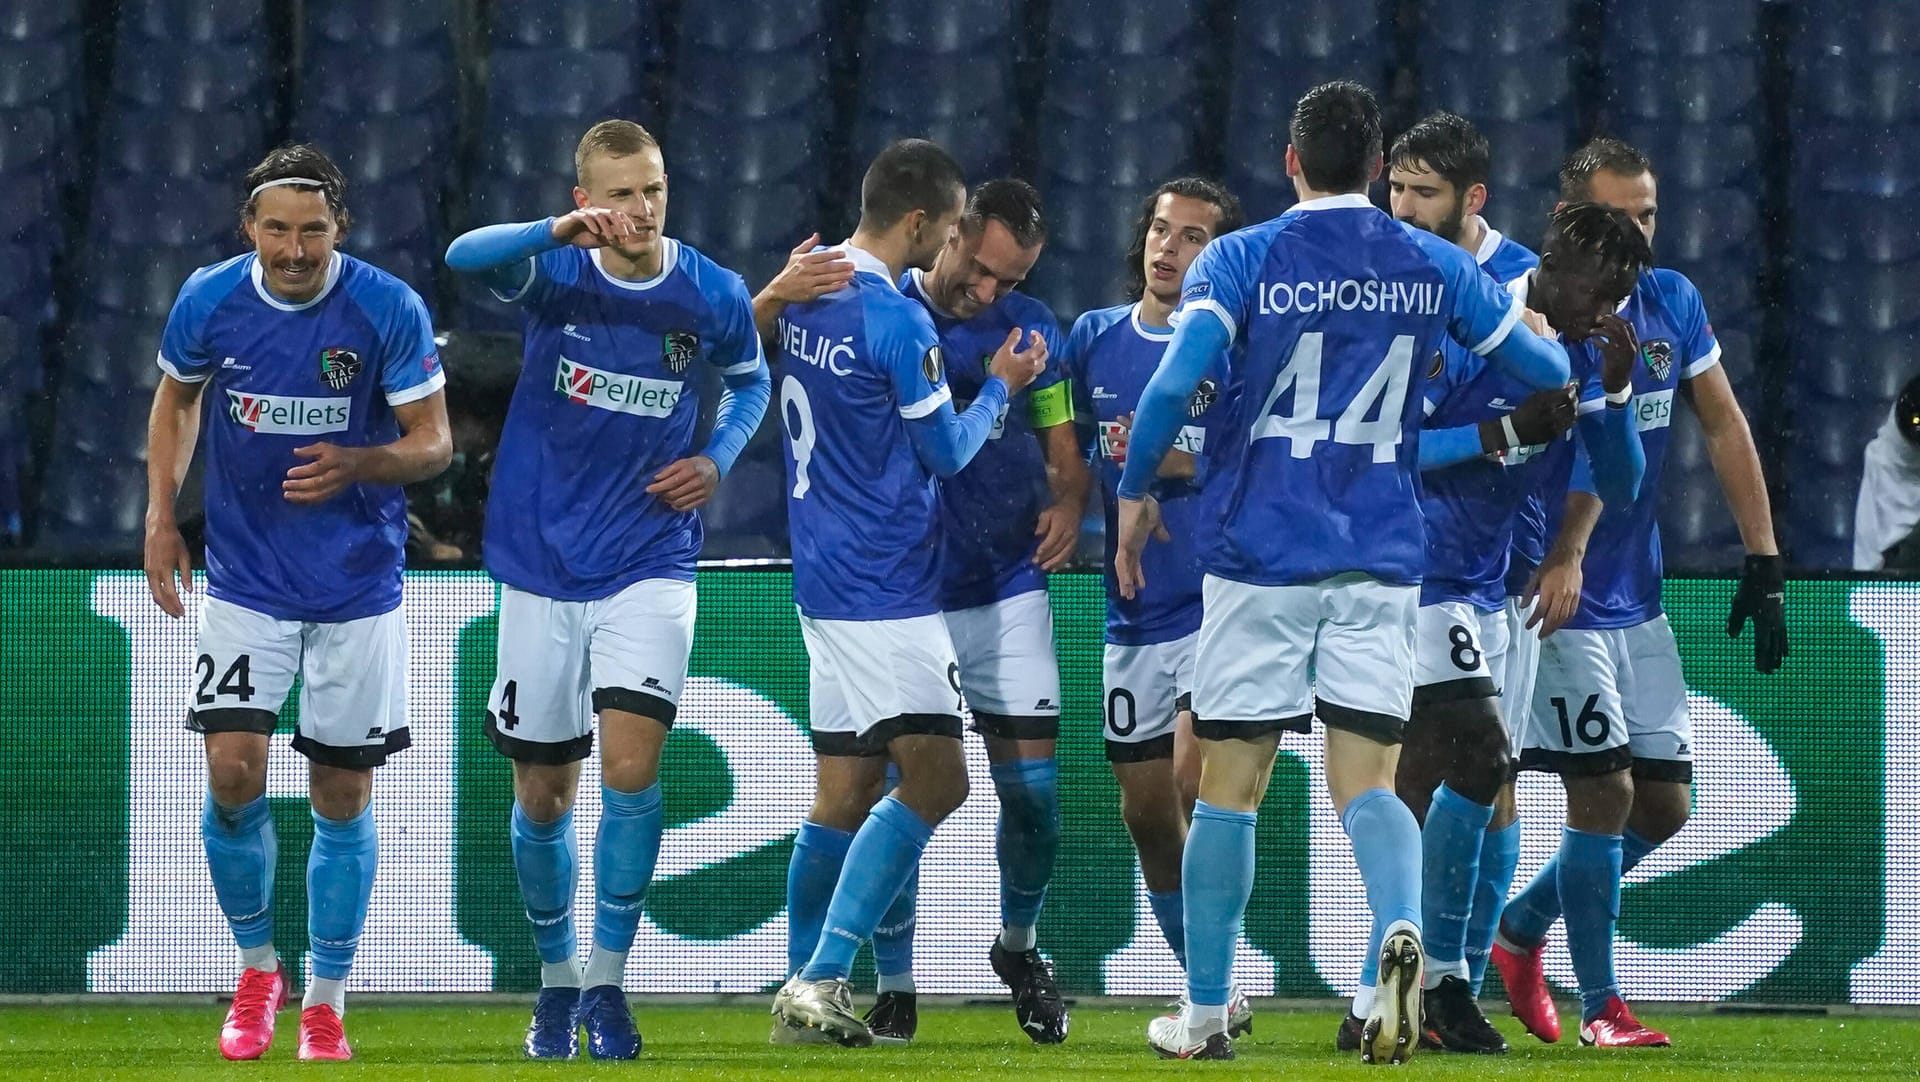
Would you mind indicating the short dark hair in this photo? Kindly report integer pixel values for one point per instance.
(908, 175)
(1227, 217)
(1336, 135)
(1601, 153)
(1606, 238)
(304, 161)
(1014, 204)
(1447, 144)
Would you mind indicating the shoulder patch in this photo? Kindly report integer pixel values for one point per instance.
(1203, 397)
(933, 365)
(1198, 291)
(1439, 365)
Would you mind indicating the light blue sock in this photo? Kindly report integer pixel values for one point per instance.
(893, 936)
(1028, 838)
(1370, 966)
(1450, 869)
(1532, 912)
(545, 861)
(1386, 846)
(1590, 889)
(1529, 914)
(1499, 856)
(1216, 877)
(241, 853)
(340, 871)
(1170, 913)
(883, 854)
(623, 859)
(818, 854)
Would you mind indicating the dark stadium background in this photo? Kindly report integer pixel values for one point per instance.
(1786, 136)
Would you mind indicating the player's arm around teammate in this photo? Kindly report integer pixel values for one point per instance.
(592, 533)
(331, 400)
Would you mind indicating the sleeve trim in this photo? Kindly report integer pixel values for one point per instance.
(1211, 305)
(1492, 341)
(419, 390)
(512, 296)
(913, 411)
(1702, 364)
(173, 370)
(1590, 406)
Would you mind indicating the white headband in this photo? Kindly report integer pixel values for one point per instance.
(284, 180)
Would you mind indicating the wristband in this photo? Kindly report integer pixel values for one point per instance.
(1506, 429)
(1621, 397)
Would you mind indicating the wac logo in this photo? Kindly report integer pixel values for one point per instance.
(285, 415)
(338, 366)
(1203, 397)
(1659, 355)
(678, 349)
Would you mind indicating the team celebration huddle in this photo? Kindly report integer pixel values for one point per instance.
(1393, 471)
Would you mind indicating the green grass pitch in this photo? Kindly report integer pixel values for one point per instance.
(400, 1040)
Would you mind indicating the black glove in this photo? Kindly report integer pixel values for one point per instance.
(1762, 598)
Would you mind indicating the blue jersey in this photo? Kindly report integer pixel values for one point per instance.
(602, 405)
(1110, 355)
(855, 367)
(988, 510)
(1622, 571)
(1470, 507)
(1336, 311)
(281, 376)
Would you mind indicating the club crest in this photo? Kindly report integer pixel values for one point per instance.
(338, 366)
(678, 349)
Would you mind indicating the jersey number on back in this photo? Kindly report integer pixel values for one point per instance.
(796, 412)
(1385, 391)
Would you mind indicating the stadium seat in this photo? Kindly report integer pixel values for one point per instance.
(1669, 29)
(407, 25)
(392, 215)
(1863, 90)
(1848, 229)
(112, 351)
(1841, 364)
(754, 27)
(559, 83)
(1132, 158)
(1115, 29)
(1859, 159)
(955, 27)
(136, 209)
(195, 22)
(45, 20)
(1851, 30)
(94, 505)
(1872, 299)
(40, 74)
(1522, 28)
(961, 99)
(1519, 89)
(1698, 156)
(362, 83)
(1719, 89)
(757, 155)
(1820, 532)
(404, 149)
(1114, 92)
(218, 146)
(1694, 226)
(187, 80)
(143, 281)
(723, 88)
(748, 230)
(568, 24)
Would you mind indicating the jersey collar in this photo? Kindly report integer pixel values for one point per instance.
(917, 279)
(1489, 242)
(1349, 201)
(669, 258)
(260, 285)
(864, 260)
(1152, 334)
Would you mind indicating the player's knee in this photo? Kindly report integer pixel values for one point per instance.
(1599, 803)
(544, 793)
(1660, 809)
(236, 775)
(934, 796)
(339, 794)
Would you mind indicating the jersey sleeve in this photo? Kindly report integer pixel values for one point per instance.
(1590, 397)
(1050, 395)
(737, 350)
(410, 360)
(908, 349)
(183, 350)
(1445, 373)
(539, 281)
(1699, 350)
(1222, 281)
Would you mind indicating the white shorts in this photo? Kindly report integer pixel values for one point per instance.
(1007, 667)
(863, 673)
(1516, 676)
(353, 681)
(1453, 652)
(560, 662)
(1271, 657)
(1611, 699)
(1147, 686)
